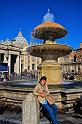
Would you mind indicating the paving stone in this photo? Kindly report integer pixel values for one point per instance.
(63, 118)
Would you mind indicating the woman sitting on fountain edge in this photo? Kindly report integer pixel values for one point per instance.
(41, 91)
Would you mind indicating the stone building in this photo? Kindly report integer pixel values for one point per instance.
(72, 62)
(15, 54)
(79, 53)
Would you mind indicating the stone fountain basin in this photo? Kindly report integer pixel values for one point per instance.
(49, 51)
(49, 29)
(32, 83)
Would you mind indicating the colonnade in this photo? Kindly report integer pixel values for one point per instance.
(68, 67)
(7, 59)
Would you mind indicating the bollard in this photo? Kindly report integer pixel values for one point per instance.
(30, 112)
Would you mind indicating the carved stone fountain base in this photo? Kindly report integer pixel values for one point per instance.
(52, 70)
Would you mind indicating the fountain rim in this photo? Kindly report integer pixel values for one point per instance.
(37, 51)
(51, 44)
(50, 25)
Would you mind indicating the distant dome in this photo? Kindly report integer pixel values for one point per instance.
(19, 40)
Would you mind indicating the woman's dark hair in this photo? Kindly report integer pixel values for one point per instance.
(43, 78)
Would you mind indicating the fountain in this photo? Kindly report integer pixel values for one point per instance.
(49, 51)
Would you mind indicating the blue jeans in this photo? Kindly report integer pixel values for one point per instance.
(52, 110)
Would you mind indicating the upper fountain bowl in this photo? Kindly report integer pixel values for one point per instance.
(49, 31)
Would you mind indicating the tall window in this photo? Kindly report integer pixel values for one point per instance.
(75, 58)
(33, 66)
(28, 67)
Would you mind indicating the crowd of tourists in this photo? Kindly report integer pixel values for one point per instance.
(4, 76)
(71, 75)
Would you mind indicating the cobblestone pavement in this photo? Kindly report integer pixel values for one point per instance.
(65, 118)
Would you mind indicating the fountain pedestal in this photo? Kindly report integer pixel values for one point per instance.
(52, 70)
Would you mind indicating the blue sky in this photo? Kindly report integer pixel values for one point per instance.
(27, 14)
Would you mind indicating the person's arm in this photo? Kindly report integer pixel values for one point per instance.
(35, 92)
(47, 92)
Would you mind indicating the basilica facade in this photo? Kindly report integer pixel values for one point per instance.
(15, 54)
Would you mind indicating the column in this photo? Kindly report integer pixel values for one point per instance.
(9, 63)
(18, 64)
(35, 63)
(24, 63)
(66, 67)
(81, 68)
(77, 68)
(5, 59)
(30, 110)
(30, 62)
(71, 68)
